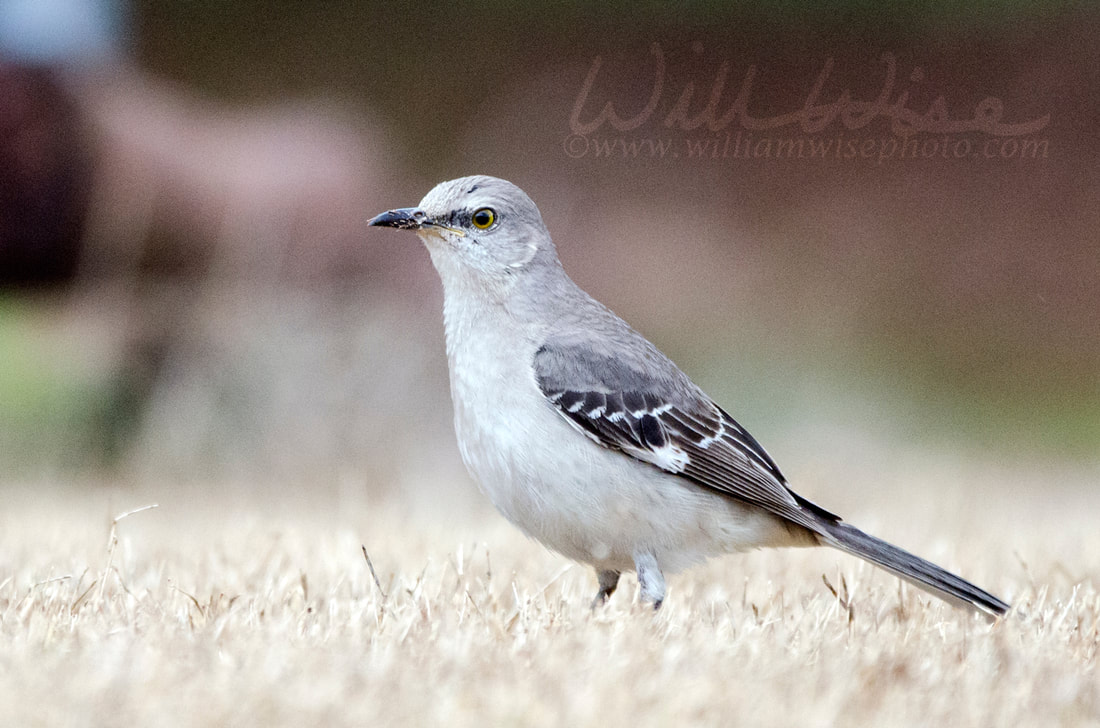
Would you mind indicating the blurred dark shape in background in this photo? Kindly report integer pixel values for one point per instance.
(43, 178)
(45, 152)
(189, 289)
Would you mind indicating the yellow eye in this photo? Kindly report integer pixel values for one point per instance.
(483, 218)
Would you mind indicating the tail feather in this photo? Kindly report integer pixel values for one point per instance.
(913, 569)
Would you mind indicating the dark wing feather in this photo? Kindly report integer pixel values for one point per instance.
(677, 429)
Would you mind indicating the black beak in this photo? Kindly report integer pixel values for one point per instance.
(406, 218)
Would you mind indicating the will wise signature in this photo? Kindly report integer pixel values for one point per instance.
(813, 116)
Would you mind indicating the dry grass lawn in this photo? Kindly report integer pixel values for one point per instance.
(222, 608)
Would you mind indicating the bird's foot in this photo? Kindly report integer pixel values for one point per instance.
(608, 581)
(651, 581)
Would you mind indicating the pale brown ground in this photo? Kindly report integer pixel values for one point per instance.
(226, 606)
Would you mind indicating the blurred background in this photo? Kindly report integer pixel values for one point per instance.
(189, 292)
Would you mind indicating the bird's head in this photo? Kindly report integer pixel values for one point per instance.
(477, 226)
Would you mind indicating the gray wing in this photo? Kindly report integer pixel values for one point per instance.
(642, 405)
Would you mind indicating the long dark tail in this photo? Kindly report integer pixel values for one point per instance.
(913, 569)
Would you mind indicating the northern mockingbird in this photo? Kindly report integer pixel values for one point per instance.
(588, 438)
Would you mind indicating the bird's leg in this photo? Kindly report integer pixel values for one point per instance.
(608, 581)
(650, 579)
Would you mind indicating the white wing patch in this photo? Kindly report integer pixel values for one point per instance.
(667, 457)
